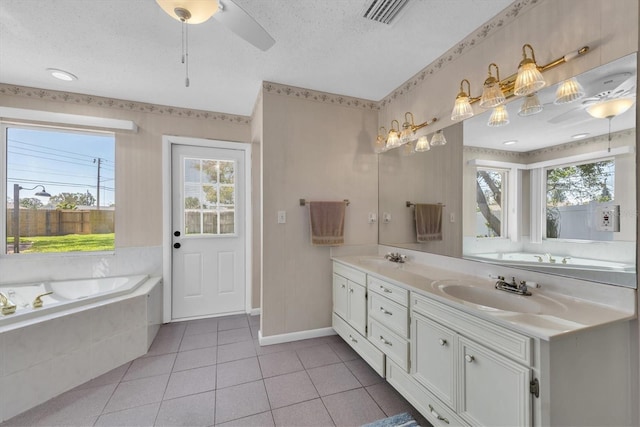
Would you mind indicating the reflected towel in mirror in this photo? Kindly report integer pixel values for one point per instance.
(428, 222)
(327, 223)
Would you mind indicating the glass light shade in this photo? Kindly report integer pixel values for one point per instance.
(201, 10)
(438, 139)
(530, 106)
(408, 149)
(499, 117)
(422, 144)
(568, 91)
(492, 95)
(610, 108)
(380, 145)
(462, 108)
(393, 140)
(529, 79)
(406, 136)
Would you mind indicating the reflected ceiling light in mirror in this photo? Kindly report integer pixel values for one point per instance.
(380, 144)
(530, 106)
(462, 108)
(529, 78)
(499, 117)
(62, 75)
(568, 91)
(393, 139)
(422, 144)
(408, 134)
(610, 108)
(579, 135)
(511, 142)
(492, 94)
(438, 139)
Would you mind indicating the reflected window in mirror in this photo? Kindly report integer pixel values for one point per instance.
(580, 201)
(491, 202)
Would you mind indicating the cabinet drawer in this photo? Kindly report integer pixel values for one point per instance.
(436, 412)
(390, 314)
(505, 341)
(368, 352)
(389, 290)
(350, 273)
(394, 346)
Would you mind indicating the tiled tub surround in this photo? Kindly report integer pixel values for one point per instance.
(44, 356)
(574, 342)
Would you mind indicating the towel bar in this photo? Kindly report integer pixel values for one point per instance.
(303, 202)
(409, 204)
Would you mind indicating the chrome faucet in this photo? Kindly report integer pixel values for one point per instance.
(539, 258)
(566, 259)
(396, 257)
(552, 260)
(8, 306)
(513, 287)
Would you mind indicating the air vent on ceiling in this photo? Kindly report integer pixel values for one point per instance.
(384, 11)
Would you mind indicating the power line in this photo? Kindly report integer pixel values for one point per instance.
(57, 183)
(53, 160)
(52, 149)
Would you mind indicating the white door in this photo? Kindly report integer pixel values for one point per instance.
(208, 217)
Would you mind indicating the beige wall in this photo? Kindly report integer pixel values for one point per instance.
(318, 151)
(256, 202)
(138, 155)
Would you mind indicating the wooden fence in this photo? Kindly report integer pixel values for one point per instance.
(47, 222)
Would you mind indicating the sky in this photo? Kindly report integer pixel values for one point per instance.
(63, 161)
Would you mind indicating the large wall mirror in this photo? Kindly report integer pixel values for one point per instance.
(553, 190)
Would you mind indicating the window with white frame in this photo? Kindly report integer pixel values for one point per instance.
(491, 202)
(59, 189)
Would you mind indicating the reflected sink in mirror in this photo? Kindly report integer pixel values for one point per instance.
(493, 299)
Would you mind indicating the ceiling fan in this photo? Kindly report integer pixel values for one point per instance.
(608, 88)
(226, 12)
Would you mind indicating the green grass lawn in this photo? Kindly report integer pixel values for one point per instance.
(68, 243)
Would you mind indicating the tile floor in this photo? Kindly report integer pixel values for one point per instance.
(213, 372)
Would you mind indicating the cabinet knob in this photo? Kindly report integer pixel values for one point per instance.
(353, 339)
(384, 341)
(469, 358)
(343, 286)
(351, 290)
(437, 415)
(385, 290)
(443, 342)
(386, 311)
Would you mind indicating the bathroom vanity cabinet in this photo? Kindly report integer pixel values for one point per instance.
(458, 368)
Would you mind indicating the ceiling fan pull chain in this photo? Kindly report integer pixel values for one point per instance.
(186, 81)
(182, 43)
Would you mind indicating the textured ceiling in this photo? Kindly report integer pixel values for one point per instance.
(130, 49)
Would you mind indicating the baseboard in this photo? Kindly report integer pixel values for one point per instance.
(294, 336)
(255, 311)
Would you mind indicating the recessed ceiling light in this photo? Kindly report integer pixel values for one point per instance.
(579, 135)
(513, 141)
(61, 74)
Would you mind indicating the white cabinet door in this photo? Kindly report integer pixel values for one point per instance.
(340, 296)
(433, 353)
(493, 390)
(357, 310)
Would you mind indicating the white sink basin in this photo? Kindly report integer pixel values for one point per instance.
(493, 299)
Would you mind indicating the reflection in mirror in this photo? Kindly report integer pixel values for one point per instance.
(554, 190)
(430, 179)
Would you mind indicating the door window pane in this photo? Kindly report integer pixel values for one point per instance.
(209, 189)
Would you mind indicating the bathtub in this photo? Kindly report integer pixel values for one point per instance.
(66, 294)
(84, 329)
(526, 259)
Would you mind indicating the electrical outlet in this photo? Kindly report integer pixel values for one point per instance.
(386, 217)
(282, 217)
(372, 217)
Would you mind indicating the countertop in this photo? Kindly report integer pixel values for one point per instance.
(544, 314)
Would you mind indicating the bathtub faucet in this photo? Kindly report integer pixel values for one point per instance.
(8, 307)
(37, 302)
(396, 257)
(552, 260)
(513, 287)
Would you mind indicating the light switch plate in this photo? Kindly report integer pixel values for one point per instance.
(282, 217)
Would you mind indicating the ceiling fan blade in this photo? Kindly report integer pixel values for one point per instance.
(573, 114)
(625, 88)
(240, 22)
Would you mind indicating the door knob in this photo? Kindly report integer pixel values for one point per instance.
(176, 233)
(177, 245)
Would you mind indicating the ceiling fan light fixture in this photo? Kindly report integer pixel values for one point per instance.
(199, 10)
(610, 108)
(568, 91)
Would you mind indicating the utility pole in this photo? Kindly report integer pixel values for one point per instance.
(99, 161)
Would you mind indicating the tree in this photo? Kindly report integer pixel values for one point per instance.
(580, 184)
(191, 203)
(72, 200)
(489, 192)
(31, 203)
